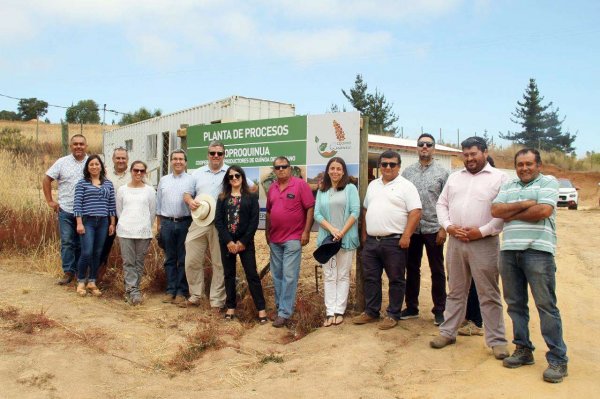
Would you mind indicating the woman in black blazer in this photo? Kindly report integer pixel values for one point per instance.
(236, 220)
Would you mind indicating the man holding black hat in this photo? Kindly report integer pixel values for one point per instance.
(392, 209)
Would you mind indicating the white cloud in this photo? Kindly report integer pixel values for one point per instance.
(305, 31)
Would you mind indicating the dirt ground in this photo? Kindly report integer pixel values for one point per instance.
(102, 348)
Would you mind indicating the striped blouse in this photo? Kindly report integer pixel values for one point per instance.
(94, 201)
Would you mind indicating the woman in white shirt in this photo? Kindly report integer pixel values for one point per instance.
(136, 209)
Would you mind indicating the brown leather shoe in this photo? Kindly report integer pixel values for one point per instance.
(94, 289)
(440, 341)
(280, 322)
(188, 304)
(178, 299)
(65, 279)
(167, 298)
(387, 323)
(364, 318)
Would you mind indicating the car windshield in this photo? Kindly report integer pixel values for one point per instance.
(564, 183)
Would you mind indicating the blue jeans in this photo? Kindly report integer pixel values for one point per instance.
(518, 268)
(69, 241)
(285, 269)
(92, 242)
(173, 235)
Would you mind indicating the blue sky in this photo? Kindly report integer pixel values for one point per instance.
(444, 64)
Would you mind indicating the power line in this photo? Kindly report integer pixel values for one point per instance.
(64, 107)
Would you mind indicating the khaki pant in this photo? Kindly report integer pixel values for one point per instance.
(198, 239)
(478, 259)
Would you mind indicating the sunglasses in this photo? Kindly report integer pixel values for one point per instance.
(217, 153)
(424, 143)
(234, 176)
(390, 164)
(138, 170)
(281, 167)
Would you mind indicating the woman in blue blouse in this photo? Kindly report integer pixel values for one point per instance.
(94, 209)
(336, 210)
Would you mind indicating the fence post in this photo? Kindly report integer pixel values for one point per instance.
(363, 182)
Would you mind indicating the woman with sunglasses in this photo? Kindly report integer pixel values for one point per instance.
(136, 209)
(336, 210)
(236, 220)
(94, 210)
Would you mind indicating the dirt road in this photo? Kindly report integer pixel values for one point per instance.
(102, 348)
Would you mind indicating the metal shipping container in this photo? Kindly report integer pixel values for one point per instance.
(152, 140)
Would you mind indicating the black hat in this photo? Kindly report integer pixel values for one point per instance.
(327, 249)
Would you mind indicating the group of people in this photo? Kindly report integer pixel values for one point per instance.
(216, 209)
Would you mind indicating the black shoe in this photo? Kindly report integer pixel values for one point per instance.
(438, 318)
(409, 314)
(522, 356)
(555, 372)
(66, 279)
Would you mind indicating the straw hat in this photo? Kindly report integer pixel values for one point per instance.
(205, 213)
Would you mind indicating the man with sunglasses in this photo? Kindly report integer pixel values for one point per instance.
(207, 180)
(464, 211)
(429, 177)
(391, 213)
(290, 207)
(119, 176)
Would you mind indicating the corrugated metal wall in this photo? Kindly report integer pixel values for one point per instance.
(232, 109)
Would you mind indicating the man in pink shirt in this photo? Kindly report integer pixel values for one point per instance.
(290, 206)
(464, 210)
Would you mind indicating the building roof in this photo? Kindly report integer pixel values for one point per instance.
(376, 140)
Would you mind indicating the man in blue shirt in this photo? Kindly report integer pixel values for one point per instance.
(172, 221)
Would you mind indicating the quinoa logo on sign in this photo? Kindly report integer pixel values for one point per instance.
(327, 150)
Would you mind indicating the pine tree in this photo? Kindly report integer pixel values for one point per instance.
(381, 117)
(542, 129)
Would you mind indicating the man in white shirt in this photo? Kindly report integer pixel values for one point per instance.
(391, 211)
(67, 171)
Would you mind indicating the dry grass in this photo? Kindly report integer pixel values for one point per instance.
(205, 337)
(28, 322)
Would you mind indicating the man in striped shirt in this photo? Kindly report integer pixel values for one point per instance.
(528, 207)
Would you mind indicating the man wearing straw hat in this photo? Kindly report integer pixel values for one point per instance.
(207, 182)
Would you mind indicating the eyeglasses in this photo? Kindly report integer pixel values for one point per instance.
(138, 170)
(234, 176)
(390, 164)
(281, 167)
(424, 143)
(217, 153)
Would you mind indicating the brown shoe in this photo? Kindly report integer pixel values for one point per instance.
(280, 322)
(81, 291)
(364, 318)
(65, 279)
(469, 328)
(387, 323)
(440, 341)
(188, 304)
(167, 298)
(178, 299)
(500, 352)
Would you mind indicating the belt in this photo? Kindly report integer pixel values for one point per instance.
(388, 237)
(172, 219)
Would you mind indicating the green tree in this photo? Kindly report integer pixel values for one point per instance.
(85, 111)
(382, 119)
(555, 138)
(8, 115)
(139, 115)
(541, 128)
(31, 108)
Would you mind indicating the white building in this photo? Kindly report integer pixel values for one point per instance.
(152, 140)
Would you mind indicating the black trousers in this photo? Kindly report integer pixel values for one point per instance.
(435, 256)
(473, 310)
(248, 259)
(377, 256)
